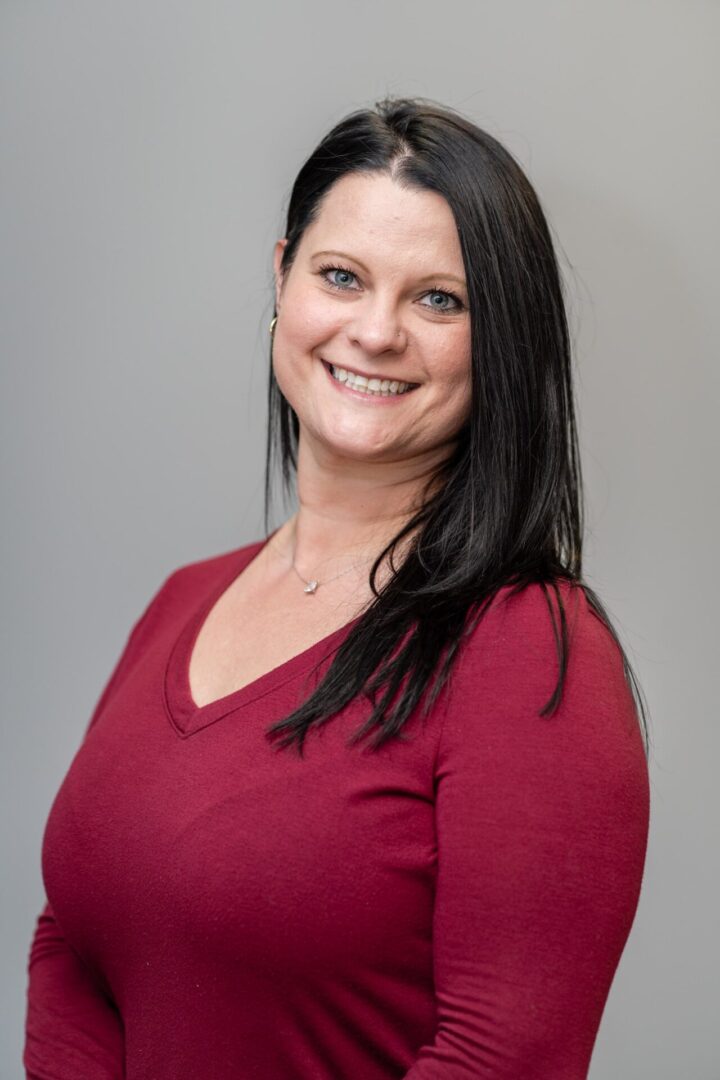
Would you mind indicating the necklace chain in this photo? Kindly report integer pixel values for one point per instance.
(312, 585)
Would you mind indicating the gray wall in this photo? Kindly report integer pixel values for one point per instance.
(147, 155)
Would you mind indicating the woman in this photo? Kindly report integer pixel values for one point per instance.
(368, 798)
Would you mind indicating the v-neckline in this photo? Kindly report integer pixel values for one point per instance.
(184, 714)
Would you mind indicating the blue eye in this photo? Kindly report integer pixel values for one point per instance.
(324, 270)
(448, 295)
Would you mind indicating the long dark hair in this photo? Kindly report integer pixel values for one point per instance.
(506, 507)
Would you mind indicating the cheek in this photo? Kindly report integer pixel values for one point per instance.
(456, 374)
(307, 319)
(452, 363)
(302, 330)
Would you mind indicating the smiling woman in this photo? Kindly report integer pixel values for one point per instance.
(387, 313)
(236, 887)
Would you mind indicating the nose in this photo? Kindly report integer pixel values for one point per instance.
(375, 328)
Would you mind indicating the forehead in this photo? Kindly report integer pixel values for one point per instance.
(364, 213)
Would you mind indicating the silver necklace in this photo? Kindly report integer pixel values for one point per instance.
(312, 585)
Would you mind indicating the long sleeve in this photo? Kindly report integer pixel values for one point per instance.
(542, 826)
(72, 1028)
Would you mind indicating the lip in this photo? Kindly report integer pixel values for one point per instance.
(359, 395)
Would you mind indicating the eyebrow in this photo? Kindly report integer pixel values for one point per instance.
(428, 277)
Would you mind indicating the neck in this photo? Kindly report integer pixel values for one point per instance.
(348, 515)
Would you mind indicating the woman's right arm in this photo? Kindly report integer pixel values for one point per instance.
(73, 1029)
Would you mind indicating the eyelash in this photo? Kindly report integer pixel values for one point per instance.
(326, 267)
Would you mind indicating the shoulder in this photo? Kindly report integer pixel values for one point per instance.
(586, 754)
(542, 667)
(189, 582)
(205, 571)
(521, 635)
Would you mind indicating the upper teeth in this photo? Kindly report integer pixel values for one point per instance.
(375, 386)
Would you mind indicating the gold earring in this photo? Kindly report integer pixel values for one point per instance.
(273, 323)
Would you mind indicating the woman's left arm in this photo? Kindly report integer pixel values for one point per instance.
(542, 826)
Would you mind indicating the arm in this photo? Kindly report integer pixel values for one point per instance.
(72, 1028)
(542, 828)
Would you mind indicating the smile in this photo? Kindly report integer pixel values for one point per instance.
(374, 387)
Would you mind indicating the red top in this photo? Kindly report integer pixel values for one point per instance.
(452, 906)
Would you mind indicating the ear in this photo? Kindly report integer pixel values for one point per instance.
(277, 259)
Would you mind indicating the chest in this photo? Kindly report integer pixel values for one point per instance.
(255, 629)
(218, 856)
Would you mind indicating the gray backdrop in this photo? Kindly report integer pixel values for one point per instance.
(147, 155)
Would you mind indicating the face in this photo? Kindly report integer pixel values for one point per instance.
(377, 288)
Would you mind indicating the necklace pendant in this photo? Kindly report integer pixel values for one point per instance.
(310, 587)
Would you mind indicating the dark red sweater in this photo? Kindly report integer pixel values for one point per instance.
(453, 906)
